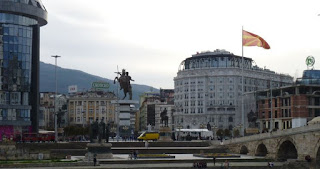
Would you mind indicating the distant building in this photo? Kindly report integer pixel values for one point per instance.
(160, 108)
(292, 106)
(20, 23)
(309, 77)
(146, 113)
(47, 110)
(151, 105)
(167, 95)
(208, 89)
(84, 108)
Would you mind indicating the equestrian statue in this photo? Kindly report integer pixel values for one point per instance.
(124, 81)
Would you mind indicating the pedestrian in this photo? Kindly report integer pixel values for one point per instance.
(214, 161)
(135, 154)
(94, 159)
(226, 164)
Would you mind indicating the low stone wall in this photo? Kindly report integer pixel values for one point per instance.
(55, 164)
(9, 151)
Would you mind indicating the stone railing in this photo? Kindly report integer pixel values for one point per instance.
(280, 133)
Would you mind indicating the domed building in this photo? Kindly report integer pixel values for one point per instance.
(208, 89)
(20, 22)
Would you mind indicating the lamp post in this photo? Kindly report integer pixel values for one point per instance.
(83, 118)
(179, 127)
(240, 126)
(202, 126)
(213, 128)
(55, 104)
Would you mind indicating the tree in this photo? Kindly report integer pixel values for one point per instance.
(236, 133)
(227, 132)
(220, 133)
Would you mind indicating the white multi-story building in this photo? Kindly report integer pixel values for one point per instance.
(208, 89)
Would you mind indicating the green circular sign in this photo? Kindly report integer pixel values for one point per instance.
(310, 61)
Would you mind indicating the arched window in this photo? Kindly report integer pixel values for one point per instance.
(230, 119)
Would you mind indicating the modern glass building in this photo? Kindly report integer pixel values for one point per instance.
(20, 22)
(309, 77)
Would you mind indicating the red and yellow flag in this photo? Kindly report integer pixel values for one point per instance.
(250, 39)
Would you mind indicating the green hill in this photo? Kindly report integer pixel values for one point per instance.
(68, 77)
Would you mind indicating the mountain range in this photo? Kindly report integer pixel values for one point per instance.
(83, 80)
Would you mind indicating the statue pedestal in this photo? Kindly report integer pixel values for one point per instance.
(165, 134)
(124, 110)
(101, 150)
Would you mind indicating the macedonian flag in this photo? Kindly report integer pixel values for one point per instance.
(250, 39)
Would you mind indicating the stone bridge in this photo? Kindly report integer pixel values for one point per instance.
(294, 143)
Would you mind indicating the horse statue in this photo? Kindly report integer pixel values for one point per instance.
(124, 81)
(164, 117)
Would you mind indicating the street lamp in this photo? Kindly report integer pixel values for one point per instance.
(55, 105)
(202, 126)
(179, 127)
(213, 128)
(240, 126)
(83, 118)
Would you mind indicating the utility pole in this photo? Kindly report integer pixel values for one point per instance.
(55, 101)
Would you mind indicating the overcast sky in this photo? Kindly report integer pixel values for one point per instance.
(150, 38)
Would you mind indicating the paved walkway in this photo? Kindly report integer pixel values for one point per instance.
(119, 157)
(124, 157)
(164, 165)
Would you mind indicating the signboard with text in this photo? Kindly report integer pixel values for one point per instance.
(73, 89)
(100, 85)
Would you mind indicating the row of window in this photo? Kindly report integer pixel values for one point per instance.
(16, 19)
(90, 103)
(212, 119)
(215, 62)
(225, 80)
(14, 98)
(15, 114)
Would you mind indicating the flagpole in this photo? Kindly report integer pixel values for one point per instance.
(242, 101)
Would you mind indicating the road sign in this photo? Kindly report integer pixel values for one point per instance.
(100, 85)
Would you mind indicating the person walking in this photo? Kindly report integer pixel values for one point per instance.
(135, 154)
(214, 161)
(94, 159)
(226, 164)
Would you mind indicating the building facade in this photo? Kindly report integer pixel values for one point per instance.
(20, 23)
(290, 106)
(143, 114)
(170, 109)
(208, 89)
(85, 108)
(47, 105)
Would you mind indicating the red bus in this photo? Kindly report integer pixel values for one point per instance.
(42, 136)
(30, 137)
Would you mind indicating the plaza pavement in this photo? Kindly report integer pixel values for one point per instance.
(119, 158)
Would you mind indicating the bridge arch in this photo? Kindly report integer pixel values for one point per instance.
(317, 152)
(244, 150)
(261, 150)
(287, 150)
(318, 156)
